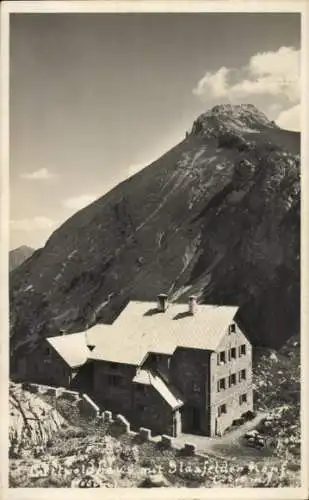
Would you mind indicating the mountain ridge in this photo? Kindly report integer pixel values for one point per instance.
(209, 217)
(19, 255)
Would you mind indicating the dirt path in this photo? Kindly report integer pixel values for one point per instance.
(231, 445)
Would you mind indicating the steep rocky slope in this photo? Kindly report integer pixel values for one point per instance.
(19, 255)
(33, 423)
(218, 216)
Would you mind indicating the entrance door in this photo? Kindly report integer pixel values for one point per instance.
(196, 420)
(192, 419)
(176, 423)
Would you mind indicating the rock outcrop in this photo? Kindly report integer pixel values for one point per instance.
(33, 423)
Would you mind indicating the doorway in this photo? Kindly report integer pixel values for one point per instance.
(176, 423)
(192, 420)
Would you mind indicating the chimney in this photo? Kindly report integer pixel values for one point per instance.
(162, 302)
(88, 344)
(192, 304)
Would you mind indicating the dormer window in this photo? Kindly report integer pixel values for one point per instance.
(232, 328)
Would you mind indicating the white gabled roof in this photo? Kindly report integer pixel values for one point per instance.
(140, 329)
(73, 347)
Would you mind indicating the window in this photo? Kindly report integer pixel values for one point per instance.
(221, 410)
(221, 384)
(242, 399)
(242, 375)
(47, 351)
(114, 380)
(232, 379)
(113, 366)
(154, 357)
(141, 388)
(242, 350)
(221, 358)
(195, 388)
(233, 353)
(232, 328)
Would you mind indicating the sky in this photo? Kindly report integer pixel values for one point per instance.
(96, 97)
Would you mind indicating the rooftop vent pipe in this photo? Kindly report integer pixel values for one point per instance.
(192, 304)
(162, 302)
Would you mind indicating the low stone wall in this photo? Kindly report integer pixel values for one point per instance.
(114, 425)
(87, 407)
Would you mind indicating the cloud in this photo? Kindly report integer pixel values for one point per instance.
(216, 83)
(35, 224)
(290, 118)
(79, 202)
(275, 74)
(285, 62)
(39, 175)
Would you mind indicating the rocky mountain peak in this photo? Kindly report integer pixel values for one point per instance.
(231, 118)
(217, 216)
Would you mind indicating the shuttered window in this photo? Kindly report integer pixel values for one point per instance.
(221, 410)
(242, 399)
(221, 384)
(232, 379)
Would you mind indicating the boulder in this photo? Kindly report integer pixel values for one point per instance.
(273, 357)
(252, 433)
(154, 481)
(189, 449)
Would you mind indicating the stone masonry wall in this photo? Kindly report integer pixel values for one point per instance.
(115, 397)
(230, 395)
(140, 404)
(189, 373)
(150, 410)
